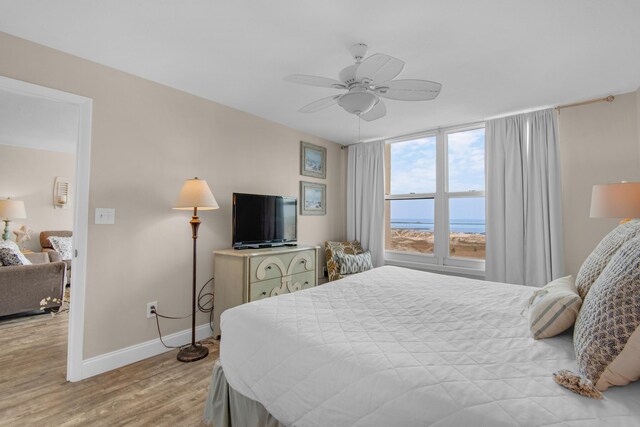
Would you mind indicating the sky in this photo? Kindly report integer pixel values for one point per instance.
(413, 170)
(459, 208)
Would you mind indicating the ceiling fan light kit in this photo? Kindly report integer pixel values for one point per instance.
(358, 101)
(366, 82)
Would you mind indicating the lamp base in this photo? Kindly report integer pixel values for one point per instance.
(6, 235)
(193, 353)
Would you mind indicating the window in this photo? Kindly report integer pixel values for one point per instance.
(412, 225)
(435, 206)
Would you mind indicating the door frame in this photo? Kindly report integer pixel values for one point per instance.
(81, 214)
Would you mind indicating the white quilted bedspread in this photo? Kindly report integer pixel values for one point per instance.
(397, 347)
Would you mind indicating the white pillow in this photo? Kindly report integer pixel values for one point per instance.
(62, 245)
(13, 246)
(554, 308)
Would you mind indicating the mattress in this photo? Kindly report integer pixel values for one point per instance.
(398, 347)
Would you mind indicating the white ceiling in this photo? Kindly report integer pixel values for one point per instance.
(493, 56)
(39, 123)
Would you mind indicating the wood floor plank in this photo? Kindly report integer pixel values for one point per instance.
(159, 391)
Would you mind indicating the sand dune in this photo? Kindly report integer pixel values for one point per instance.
(468, 245)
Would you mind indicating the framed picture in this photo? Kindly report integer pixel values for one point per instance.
(313, 160)
(314, 198)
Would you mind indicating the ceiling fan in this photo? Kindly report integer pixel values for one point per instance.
(366, 82)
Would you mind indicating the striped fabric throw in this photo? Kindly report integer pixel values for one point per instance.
(554, 308)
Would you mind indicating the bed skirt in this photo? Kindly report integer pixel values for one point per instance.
(225, 407)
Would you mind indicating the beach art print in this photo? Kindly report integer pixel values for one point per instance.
(314, 198)
(313, 160)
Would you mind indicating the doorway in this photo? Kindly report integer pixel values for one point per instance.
(77, 196)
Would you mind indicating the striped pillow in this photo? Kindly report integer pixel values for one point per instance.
(351, 264)
(554, 308)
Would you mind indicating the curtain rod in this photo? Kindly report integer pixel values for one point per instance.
(609, 98)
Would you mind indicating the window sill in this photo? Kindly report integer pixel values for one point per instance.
(474, 273)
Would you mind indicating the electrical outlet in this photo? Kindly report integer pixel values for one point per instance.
(153, 304)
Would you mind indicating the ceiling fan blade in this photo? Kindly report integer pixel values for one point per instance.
(409, 90)
(314, 81)
(378, 110)
(379, 68)
(320, 104)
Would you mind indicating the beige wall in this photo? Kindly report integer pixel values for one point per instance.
(599, 143)
(28, 175)
(146, 139)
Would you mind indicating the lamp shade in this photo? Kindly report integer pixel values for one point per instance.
(12, 209)
(619, 200)
(195, 193)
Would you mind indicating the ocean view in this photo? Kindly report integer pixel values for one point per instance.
(467, 226)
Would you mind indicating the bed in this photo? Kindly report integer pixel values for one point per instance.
(400, 347)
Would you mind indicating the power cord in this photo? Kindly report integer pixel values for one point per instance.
(205, 307)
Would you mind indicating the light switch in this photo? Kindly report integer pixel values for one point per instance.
(105, 216)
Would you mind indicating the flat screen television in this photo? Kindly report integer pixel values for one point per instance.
(264, 221)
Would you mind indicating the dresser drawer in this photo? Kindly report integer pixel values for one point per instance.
(274, 266)
(273, 287)
(304, 280)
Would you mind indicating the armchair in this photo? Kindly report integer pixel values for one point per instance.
(330, 250)
(55, 257)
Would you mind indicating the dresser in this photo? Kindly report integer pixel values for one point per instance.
(247, 275)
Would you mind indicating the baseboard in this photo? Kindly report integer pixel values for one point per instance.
(125, 356)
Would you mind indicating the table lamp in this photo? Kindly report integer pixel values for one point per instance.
(619, 200)
(10, 210)
(195, 194)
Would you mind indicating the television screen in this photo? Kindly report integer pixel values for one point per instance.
(260, 220)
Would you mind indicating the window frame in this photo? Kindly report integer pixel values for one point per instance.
(441, 260)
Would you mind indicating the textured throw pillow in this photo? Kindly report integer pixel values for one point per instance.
(9, 257)
(597, 261)
(607, 333)
(351, 264)
(10, 244)
(553, 309)
(62, 245)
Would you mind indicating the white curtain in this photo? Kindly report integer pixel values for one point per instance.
(524, 212)
(365, 198)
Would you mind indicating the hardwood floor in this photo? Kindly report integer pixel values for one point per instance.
(159, 391)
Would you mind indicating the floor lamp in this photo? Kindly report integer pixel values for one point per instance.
(195, 194)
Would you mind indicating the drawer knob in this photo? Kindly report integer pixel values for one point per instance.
(306, 283)
(264, 293)
(301, 261)
(268, 267)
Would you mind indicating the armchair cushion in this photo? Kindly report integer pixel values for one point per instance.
(331, 249)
